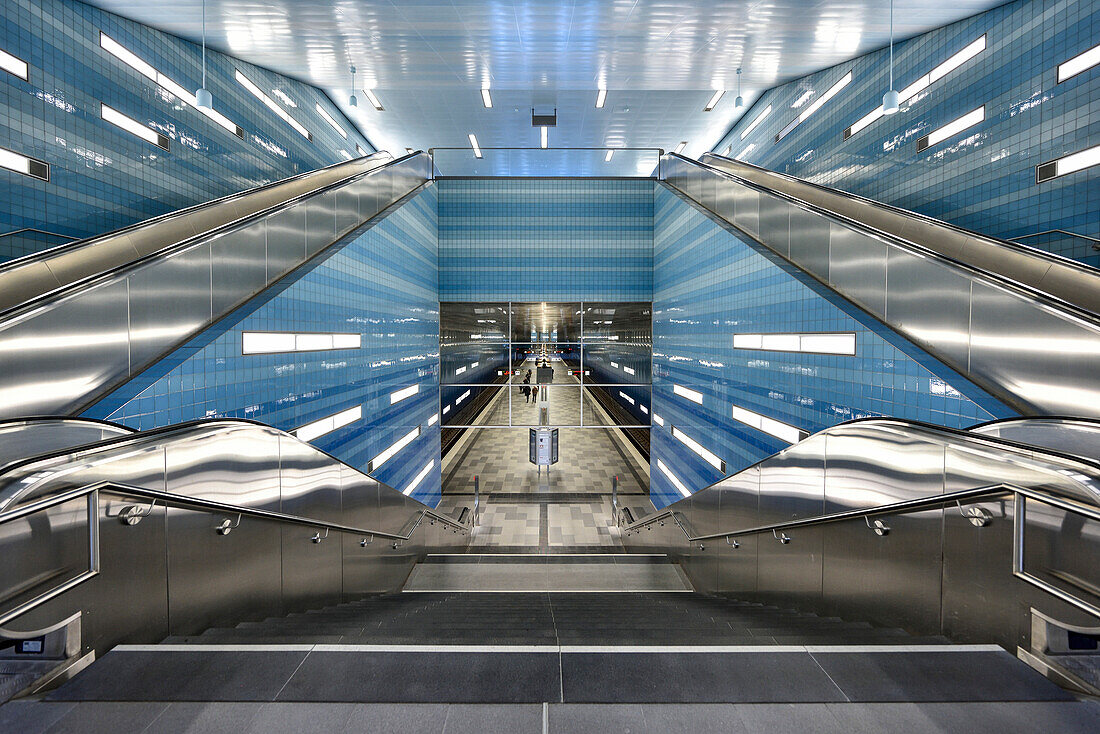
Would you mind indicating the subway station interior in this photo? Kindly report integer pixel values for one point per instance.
(549, 366)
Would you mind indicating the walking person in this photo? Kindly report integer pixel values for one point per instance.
(525, 388)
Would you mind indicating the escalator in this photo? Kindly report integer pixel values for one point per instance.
(79, 320)
(1021, 323)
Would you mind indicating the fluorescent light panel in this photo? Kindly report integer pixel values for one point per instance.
(434, 419)
(20, 163)
(680, 148)
(626, 397)
(954, 62)
(132, 126)
(272, 342)
(824, 343)
(607, 158)
(373, 100)
(674, 479)
(748, 149)
(698, 448)
(714, 100)
(13, 65)
(127, 57)
(815, 106)
(328, 118)
(474, 145)
(396, 446)
(693, 395)
(1074, 66)
(628, 370)
(1068, 164)
(601, 97)
(759, 119)
(406, 392)
(780, 430)
(272, 105)
(545, 136)
(658, 420)
(418, 478)
(462, 397)
(486, 99)
(970, 119)
(319, 428)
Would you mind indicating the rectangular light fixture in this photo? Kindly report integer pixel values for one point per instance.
(954, 62)
(396, 446)
(545, 135)
(680, 148)
(780, 430)
(475, 146)
(823, 343)
(970, 119)
(272, 105)
(127, 57)
(748, 149)
(615, 365)
(13, 65)
(607, 158)
(434, 419)
(418, 478)
(759, 119)
(373, 100)
(1068, 164)
(328, 118)
(693, 395)
(462, 397)
(674, 479)
(658, 420)
(460, 370)
(20, 163)
(601, 97)
(359, 150)
(273, 342)
(486, 99)
(319, 428)
(347, 156)
(644, 409)
(409, 151)
(815, 106)
(474, 364)
(628, 370)
(446, 410)
(132, 126)
(626, 397)
(406, 392)
(691, 443)
(714, 100)
(1074, 66)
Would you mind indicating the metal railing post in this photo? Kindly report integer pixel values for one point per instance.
(477, 500)
(615, 498)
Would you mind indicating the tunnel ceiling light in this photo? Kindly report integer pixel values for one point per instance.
(328, 118)
(1073, 67)
(714, 100)
(693, 395)
(359, 150)
(20, 163)
(373, 100)
(545, 136)
(954, 62)
(203, 99)
(132, 126)
(707, 456)
(607, 158)
(1068, 164)
(626, 397)
(680, 148)
(120, 52)
(601, 97)
(418, 478)
(674, 479)
(814, 343)
(486, 98)
(271, 104)
(13, 65)
(771, 426)
(406, 392)
(474, 145)
(462, 397)
(319, 428)
(396, 446)
(890, 103)
(759, 119)
(970, 119)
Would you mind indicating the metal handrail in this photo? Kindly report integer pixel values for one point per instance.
(131, 516)
(906, 244)
(1095, 242)
(977, 517)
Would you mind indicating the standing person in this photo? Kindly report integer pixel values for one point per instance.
(525, 388)
(535, 394)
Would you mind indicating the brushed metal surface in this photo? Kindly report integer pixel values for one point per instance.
(1068, 435)
(857, 268)
(168, 303)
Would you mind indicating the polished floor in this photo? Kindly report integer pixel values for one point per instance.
(565, 509)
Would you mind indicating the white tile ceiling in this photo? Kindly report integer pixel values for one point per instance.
(427, 60)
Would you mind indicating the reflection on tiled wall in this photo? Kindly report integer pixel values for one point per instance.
(545, 239)
(708, 286)
(383, 285)
(103, 177)
(983, 178)
(625, 368)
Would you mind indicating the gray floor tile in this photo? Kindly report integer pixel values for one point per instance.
(1069, 717)
(699, 718)
(804, 718)
(31, 717)
(487, 719)
(565, 718)
(206, 718)
(95, 717)
(398, 718)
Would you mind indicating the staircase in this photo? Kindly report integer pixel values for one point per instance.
(539, 659)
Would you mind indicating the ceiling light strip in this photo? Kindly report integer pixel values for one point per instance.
(812, 343)
(815, 106)
(970, 119)
(272, 105)
(120, 52)
(316, 429)
(474, 145)
(952, 63)
(132, 126)
(373, 100)
(601, 98)
(13, 65)
(418, 478)
(759, 119)
(1078, 64)
(673, 478)
(393, 448)
(328, 118)
(1068, 164)
(486, 98)
(771, 426)
(714, 100)
(25, 165)
(275, 342)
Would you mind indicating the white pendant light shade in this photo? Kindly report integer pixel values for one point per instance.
(204, 99)
(352, 101)
(890, 103)
(740, 101)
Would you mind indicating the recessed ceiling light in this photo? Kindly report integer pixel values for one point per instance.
(330, 120)
(680, 148)
(759, 119)
(545, 138)
(607, 158)
(474, 145)
(373, 100)
(13, 65)
(714, 100)
(485, 98)
(601, 97)
(1077, 64)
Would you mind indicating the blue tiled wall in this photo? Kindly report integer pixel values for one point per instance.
(984, 178)
(545, 239)
(102, 177)
(709, 285)
(383, 284)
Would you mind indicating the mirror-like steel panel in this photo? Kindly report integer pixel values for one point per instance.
(286, 242)
(936, 313)
(857, 268)
(168, 303)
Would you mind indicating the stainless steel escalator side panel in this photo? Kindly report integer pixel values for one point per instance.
(704, 515)
(738, 557)
(363, 571)
(286, 242)
(857, 268)
(775, 223)
(22, 438)
(1073, 436)
(238, 266)
(809, 242)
